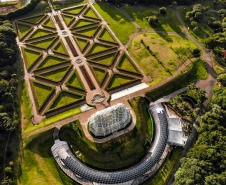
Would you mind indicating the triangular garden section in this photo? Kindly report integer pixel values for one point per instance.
(51, 61)
(100, 74)
(23, 30)
(68, 19)
(127, 65)
(74, 81)
(49, 24)
(30, 57)
(83, 23)
(82, 43)
(99, 48)
(39, 33)
(90, 32)
(34, 20)
(90, 14)
(43, 44)
(119, 80)
(105, 60)
(65, 98)
(41, 92)
(56, 75)
(74, 11)
(106, 36)
(60, 48)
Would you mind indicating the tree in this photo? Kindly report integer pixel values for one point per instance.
(153, 20)
(162, 11)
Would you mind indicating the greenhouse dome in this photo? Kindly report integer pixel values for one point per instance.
(107, 121)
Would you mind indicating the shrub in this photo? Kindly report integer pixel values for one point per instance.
(162, 11)
(196, 52)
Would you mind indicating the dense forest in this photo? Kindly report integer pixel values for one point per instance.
(206, 161)
(9, 114)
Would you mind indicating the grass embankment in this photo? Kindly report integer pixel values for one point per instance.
(195, 71)
(163, 174)
(38, 165)
(69, 3)
(118, 152)
(122, 27)
(167, 23)
(159, 57)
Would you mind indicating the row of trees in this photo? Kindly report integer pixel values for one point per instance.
(206, 161)
(9, 114)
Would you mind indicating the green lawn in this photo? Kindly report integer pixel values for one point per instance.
(90, 13)
(129, 146)
(40, 33)
(100, 74)
(75, 81)
(35, 19)
(30, 56)
(98, 47)
(163, 174)
(106, 36)
(168, 23)
(74, 10)
(164, 56)
(200, 69)
(82, 43)
(44, 44)
(67, 19)
(48, 23)
(38, 164)
(88, 32)
(55, 75)
(51, 60)
(127, 65)
(82, 23)
(60, 48)
(41, 93)
(22, 30)
(122, 27)
(65, 98)
(119, 80)
(106, 60)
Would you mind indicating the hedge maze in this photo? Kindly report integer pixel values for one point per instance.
(54, 79)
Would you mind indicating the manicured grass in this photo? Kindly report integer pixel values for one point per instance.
(122, 27)
(34, 20)
(164, 55)
(51, 60)
(65, 98)
(100, 74)
(67, 19)
(126, 64)
(118, 152)
(106, 36)
(74, 10)
(200, 69)
(41, 93)
(82, 43)
(43, 44)
(38, 164)
(98, 47)
(90, 13)
(88, 32)
(40, 33)
(55, 75)
(119, 80)
(60, 48)
(75, 82)
(168, 23)
(30, 56)
(106, 60)
(22, 30)
(81, 23)
(48, 23)
(163, 174)
(218, 69)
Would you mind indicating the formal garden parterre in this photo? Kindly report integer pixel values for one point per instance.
(53, 75)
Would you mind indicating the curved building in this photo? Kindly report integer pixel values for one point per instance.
(109, 120)
(63, 155)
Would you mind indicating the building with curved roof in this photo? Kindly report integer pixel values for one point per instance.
(107, 121)
(78, 170)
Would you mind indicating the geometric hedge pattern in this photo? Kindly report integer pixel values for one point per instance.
(55, 83)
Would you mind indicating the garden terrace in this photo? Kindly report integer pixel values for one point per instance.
(87, 77)
(70, 44)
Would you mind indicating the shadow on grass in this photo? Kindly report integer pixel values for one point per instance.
(162, 32)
